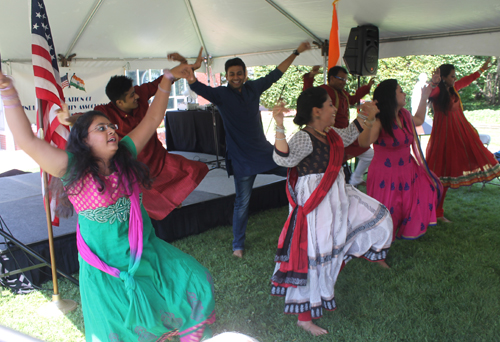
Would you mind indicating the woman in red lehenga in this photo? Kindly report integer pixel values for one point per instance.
(455, 153)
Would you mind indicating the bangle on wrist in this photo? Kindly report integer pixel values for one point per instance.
(18, 104)
(163, 90)
(279, 138)
(168, 75)
(368, 123)
(9, 97)
(280, 129)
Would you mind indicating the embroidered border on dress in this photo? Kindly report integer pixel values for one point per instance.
(297, 308)
(371, 255)
(119, 211)
(488, 173)
(292, 278)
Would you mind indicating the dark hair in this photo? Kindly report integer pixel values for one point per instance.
(385, 95)
(85, 162)
(235, 62)
(334, 71)
(309, 99)
(117, 87)
(442, 102)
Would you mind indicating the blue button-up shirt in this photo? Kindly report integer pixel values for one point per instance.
(248, 151)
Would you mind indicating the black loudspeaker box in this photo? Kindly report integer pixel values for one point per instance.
(361, 51)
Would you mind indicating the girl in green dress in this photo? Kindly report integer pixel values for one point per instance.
(134, 286)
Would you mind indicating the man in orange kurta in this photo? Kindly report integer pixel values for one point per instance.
(337, 79)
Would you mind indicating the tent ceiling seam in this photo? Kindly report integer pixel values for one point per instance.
(84, 26)
(297, 23)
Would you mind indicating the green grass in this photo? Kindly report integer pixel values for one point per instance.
(444, 286)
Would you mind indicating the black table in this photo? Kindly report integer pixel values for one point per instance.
(192, 131)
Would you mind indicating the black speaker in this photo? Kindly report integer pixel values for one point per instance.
(361, 51)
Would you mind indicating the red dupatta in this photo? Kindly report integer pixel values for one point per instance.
(292, 243)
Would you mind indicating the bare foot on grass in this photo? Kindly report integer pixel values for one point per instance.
(382, 263)
(238, 253)
(312, 328)
(444, 219)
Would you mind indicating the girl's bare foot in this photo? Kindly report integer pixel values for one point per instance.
(444, 219)
(312, 328)
(382, 263)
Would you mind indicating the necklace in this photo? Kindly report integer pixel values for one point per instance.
(319, 132)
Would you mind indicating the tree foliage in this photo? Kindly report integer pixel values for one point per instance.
(482, 93)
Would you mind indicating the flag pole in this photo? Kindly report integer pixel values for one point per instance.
(58, 306)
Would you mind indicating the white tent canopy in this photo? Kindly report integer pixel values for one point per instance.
(139, 34)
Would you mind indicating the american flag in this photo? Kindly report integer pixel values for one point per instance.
(47, 83)
(64, 81)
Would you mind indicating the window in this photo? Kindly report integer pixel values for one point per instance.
(178, 94)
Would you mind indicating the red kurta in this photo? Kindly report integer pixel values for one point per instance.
(455, 153)
(342, 101)
(175, 177)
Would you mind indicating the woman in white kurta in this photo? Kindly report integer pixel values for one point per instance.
(330, 221)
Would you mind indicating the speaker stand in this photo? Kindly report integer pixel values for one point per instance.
(218, 164)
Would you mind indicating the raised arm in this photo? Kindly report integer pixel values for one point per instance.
(51, 159)
(280, 140)
(154, 116)
(309, 77)
(371, 125)
(467, 80)
(203, 90)
(304, 46)
(361, 92)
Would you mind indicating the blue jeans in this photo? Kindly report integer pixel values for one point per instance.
(243, 187)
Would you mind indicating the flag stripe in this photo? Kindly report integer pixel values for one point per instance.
(44, 94)
(45, 79)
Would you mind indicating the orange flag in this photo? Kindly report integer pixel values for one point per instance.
(334, 45)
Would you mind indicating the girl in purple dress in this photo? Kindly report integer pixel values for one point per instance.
(401, 182)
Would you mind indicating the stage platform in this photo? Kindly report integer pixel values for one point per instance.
(208, 206)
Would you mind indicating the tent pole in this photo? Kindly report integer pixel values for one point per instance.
(84, 26)
(189, 7)
(293, 20)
